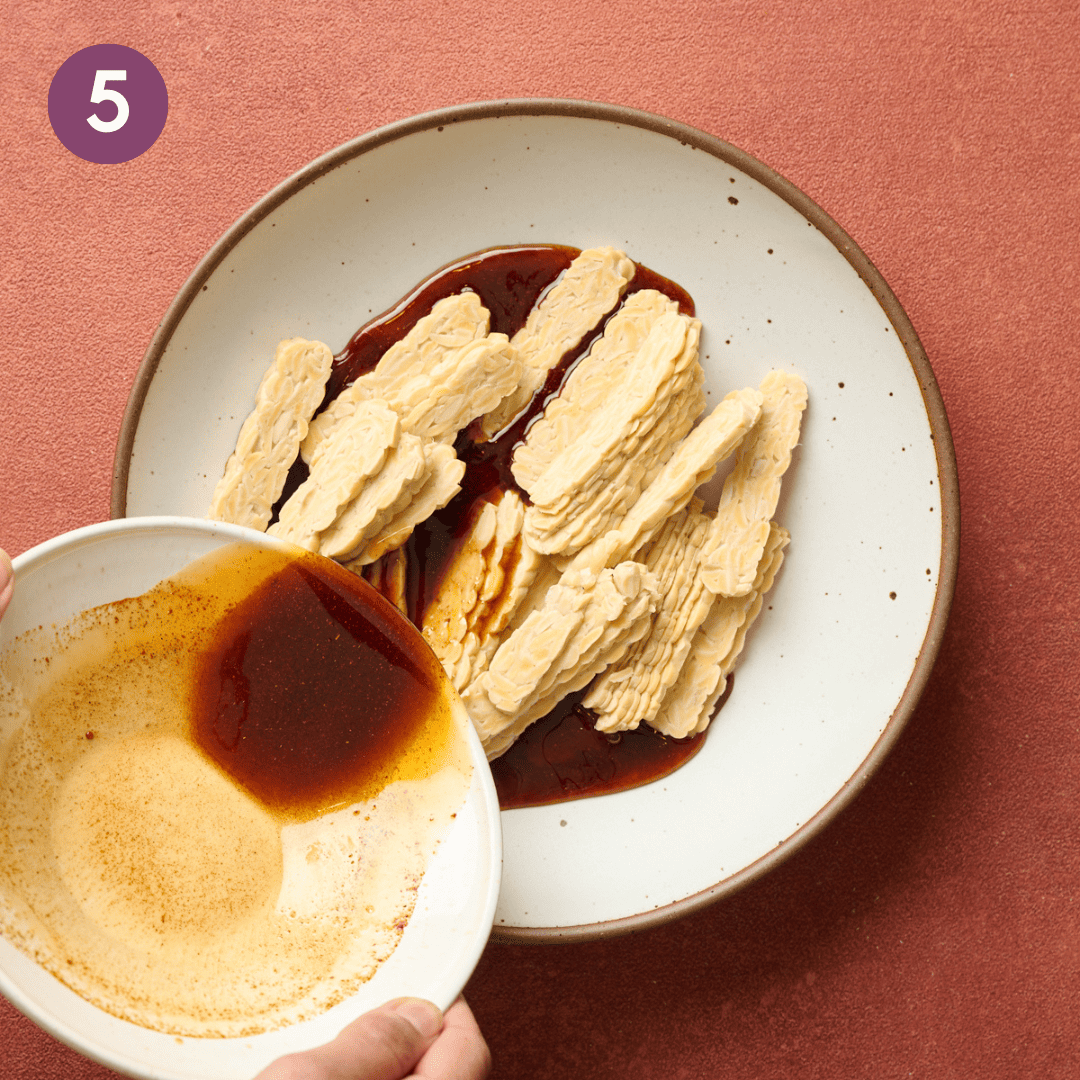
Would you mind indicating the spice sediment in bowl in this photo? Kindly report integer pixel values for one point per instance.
(176, 888)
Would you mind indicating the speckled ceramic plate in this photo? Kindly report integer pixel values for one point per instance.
(836, 663)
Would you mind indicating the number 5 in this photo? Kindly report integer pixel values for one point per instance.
(101, 93)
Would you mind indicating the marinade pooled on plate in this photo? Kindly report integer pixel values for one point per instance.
(512, 455)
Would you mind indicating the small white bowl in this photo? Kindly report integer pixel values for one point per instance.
(455, 906)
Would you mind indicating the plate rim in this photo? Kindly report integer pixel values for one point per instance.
(948, 479)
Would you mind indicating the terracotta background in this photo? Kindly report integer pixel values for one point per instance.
(933, 930)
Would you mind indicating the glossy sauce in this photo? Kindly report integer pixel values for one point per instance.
(313, 692)
(561, 756)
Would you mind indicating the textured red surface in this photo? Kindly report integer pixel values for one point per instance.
(933, 930)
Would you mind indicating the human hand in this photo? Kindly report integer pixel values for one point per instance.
(405, 1038)
(7, 581)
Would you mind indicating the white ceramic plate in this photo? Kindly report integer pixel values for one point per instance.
(839, 658)
(455, 904)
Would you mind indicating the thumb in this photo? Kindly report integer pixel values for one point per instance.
(383, 1044)
(7, 581)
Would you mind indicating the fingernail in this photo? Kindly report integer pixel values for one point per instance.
(6, 575)
(423, 1015)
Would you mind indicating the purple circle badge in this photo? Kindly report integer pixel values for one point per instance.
(108, 104)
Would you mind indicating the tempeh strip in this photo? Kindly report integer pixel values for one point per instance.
(290, 392)
(488, 628)
(466, 384)
(378, 501)
(443, 482)
(600, 374)
(606, 647)
(694, 461)
(634, 690)
(604, 504)
(590, 288)
(731, 554)
(499, 557)
(688, 705)
(452, 325)
(387, 576)
(670, 347)
(446, 620)
(486, 580)
(345, 463)
(547, 649)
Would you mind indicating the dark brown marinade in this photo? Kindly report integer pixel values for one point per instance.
(292, 695)
(509, 282)
(561, 756)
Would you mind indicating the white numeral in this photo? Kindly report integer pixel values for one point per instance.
(101, 93)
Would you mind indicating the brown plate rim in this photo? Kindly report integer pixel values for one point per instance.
(948, 478)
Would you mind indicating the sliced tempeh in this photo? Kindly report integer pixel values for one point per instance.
(540, 574)
(490, 628)
(688, 705)
(486, 580)
(446, 620)
(584, 619)
(381, 498)
(453, 324)
(388, 576)
(442, 482)
(590, 288)
(372, 574)
(731, 554)
(608, 647)
(602, 373)
(599, 474)
(512, 568)
(604, 504)
(683, 411)
(606, 428)
(633, 691)
(290, 392)
(694, 461)
(344, 465)
(465, 385)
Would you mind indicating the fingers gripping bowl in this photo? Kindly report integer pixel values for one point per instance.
(220, 845)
